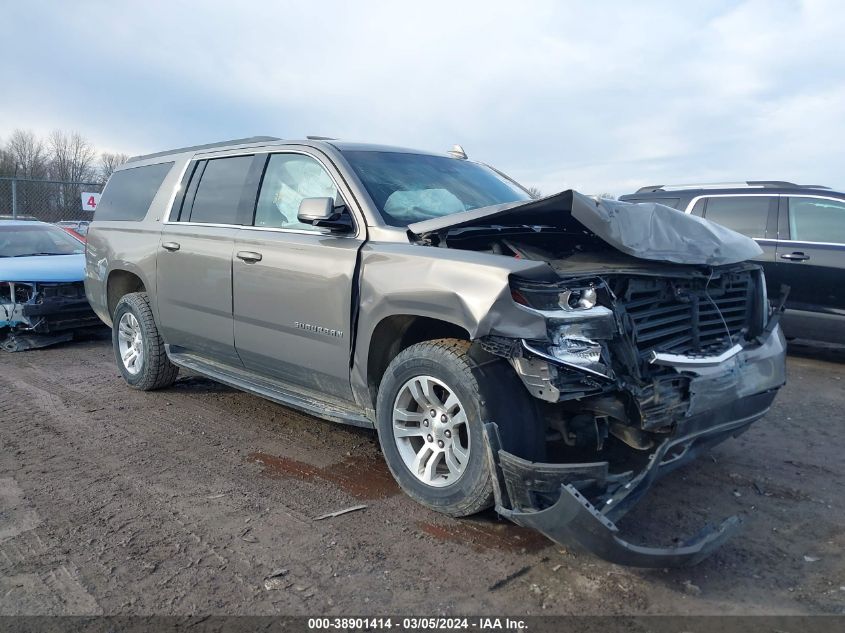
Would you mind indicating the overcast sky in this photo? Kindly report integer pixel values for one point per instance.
(599, 96)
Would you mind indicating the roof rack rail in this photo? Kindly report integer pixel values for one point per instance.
(783, 184)
(755, 184)
(314, 137)
(193, 148)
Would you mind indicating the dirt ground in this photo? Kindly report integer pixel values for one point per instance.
(184, 501)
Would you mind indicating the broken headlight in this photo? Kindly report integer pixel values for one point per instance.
(578, 299)
(572, 347)
(576, 350)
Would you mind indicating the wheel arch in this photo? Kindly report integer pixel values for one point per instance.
(121, 282)
(397, 332)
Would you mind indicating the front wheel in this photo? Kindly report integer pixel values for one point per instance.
(432, 403)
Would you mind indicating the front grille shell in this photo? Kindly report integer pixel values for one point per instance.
(692, 317)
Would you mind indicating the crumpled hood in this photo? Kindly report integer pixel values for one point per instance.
(48, 268)
(645, 230)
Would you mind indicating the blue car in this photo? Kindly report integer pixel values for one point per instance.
(42, 296)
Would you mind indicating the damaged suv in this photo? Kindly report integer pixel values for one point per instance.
(550, 357)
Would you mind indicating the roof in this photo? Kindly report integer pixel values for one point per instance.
(194, 148)
(263, 141)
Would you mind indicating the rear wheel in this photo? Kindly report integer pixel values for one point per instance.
(138, 346)
(432, 403)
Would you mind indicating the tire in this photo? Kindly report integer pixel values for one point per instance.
(151, 369)
(459, 485)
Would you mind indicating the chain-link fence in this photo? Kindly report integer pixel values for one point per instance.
(47, 200)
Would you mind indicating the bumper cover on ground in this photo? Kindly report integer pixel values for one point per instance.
(577, 504)
(574, 520)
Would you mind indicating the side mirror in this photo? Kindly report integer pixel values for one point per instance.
(321, 212)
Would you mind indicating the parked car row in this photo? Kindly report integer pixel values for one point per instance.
(551, 358)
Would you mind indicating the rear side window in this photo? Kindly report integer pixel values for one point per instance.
(744, 214)
(130, 192)
(219, 191)
(816, 220)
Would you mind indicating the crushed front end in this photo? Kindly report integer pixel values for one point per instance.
(639, 373)
(37, 314)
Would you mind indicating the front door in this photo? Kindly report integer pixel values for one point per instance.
(293, 283)
(811, 260)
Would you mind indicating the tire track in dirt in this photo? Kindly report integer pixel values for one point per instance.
(171, 502)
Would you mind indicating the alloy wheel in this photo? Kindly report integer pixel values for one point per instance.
(130, 343)
(431, 431)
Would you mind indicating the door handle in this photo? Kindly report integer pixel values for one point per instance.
(250, 257)
(170, 246)
(795, 257)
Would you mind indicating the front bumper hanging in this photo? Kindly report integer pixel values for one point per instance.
(552, 498)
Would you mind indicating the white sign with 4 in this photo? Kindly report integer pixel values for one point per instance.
(90, 201)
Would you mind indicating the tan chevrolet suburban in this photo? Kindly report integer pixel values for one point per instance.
(549, 357)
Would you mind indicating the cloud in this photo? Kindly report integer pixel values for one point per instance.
(605, 97)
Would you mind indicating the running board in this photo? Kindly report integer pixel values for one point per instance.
(295, 398)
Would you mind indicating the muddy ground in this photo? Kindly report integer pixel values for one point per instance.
(183, 501)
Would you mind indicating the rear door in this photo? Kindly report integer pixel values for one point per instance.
(293, 283)
(811, 260)
(194, 263)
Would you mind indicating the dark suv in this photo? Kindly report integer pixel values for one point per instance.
(801, 229)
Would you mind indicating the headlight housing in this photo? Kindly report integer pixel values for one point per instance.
(577, 324)
(569, 297)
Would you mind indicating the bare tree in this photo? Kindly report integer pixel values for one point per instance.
(71, 156)
(109, 162)
(7, 163)
(26, 153)
(535, 192)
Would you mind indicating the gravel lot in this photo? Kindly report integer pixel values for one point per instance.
(184, 501)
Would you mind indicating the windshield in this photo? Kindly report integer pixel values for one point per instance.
(21, 240)
(408, 188)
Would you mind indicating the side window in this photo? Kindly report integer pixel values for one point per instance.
(743, 214)
(219, 191)
(288, 179)
(816, 220)
(130, 192)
